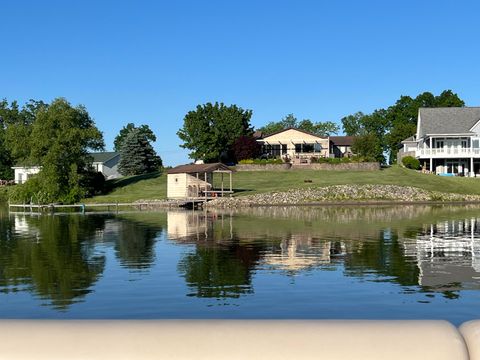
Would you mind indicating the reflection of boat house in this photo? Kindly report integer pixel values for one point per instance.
(448, 255)
(196, 181)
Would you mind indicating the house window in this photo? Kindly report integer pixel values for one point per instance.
(274, 150)
(20, 178)
(439, 144)
(475, 144)
(317, 147)
(308, 148)
(304, 148)
(464, 144)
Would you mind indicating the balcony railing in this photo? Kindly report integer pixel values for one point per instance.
(467, 152)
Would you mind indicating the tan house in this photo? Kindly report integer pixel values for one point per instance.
(195, 181)
(300, 146)
(295, 144)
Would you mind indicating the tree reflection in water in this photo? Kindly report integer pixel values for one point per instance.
(53, 256)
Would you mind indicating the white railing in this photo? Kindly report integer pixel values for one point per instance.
(467, 152)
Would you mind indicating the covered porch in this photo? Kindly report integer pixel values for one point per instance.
(467, 167)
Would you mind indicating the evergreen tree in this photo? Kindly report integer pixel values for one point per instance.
(137, 155)
(144, 129)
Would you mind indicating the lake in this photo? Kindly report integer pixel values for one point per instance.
(351, 262)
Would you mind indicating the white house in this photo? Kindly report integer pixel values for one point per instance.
(447, 141)
(104, 162)
(23, 173)
(107, 164)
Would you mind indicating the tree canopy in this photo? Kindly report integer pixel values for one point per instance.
(392, 125)
(211, 130)
(58, 139)
(320, 128)
(137, 155)
(143, 129)
(15, 127)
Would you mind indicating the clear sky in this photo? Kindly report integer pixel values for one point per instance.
(150, 62)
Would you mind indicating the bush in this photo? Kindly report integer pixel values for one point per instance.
(411, 163)
(246, 147)
(260, 161)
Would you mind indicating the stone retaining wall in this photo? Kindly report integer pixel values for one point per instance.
(354, 166)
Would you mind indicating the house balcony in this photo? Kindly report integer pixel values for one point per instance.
(448, 152)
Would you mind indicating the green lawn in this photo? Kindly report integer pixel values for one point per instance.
(132, 188)
(154, 186)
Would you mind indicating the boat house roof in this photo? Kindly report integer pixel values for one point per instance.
(199, 168)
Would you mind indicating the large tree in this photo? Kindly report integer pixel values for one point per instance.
(320, 128)
(210, 130)
(59, 141)
(143, 129)
(15, 127)
(137, 155)
(397, 122)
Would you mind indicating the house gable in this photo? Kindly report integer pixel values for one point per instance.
(476, 128)
(292, 135)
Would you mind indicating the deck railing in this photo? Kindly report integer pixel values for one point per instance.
(466, 152)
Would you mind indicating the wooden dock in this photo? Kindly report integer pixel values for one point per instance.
(109, 207)
(82, 208)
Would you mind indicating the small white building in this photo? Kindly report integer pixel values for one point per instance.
(23, 173)
(195, 181)
(104, 162)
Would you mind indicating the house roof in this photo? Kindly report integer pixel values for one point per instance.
(409, 139)
(258, 134)
(104, 156)
(292, 128)
(342, 140)
(449, 120)
(198, 168)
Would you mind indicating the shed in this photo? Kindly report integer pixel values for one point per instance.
(196, 181)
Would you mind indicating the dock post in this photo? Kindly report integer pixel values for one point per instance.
(116, 207)
(82, 208)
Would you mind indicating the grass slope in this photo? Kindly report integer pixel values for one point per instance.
(154, 186)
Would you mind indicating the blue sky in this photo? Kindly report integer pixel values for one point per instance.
(152, 61)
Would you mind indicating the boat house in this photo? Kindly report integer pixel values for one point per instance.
(196, 181)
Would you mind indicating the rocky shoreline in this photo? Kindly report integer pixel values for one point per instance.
(339, 194)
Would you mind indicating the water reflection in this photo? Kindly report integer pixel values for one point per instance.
(53, 257)
(447, 255)
(219, 255)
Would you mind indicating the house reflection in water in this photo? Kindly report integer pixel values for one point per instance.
(301, 252)
(447, 255)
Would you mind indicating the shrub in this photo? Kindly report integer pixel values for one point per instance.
(260, 161)
(246, 147)
(411, 163)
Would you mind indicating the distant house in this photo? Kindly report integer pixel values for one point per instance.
(300, 146)
(195, 181)
(104, 162)
(23, 173)
(447, 141)
(107, 164)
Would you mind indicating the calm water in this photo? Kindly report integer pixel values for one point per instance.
(403, 262)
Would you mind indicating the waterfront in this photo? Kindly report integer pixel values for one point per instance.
(362, 262)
